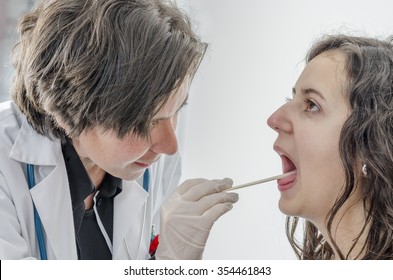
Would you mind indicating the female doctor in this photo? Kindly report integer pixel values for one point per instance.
(88, 150)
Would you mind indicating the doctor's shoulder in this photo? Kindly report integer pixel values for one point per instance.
(17, 138)
(15, 200)
(10, 123)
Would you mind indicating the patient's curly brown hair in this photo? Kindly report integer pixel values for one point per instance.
(366, 138)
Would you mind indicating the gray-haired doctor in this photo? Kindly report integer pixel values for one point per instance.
(88, 150)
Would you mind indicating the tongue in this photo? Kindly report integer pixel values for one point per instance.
(287, 180)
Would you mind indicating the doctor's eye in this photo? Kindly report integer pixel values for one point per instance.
(311, 106)
(154, 123)
(182, 106)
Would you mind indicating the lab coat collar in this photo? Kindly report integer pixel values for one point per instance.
(41, 151)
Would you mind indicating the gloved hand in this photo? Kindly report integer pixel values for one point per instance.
(188, 216)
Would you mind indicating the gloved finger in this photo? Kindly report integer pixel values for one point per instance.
(206, 188)
(188, 184)
(206, 202)
(215, 212)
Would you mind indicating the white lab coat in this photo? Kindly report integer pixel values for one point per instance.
(135, 210)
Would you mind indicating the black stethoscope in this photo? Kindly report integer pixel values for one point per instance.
(37, 220)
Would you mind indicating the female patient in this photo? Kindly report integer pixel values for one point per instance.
(337, 133)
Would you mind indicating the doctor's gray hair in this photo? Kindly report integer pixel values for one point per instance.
(111, 63)
(366, 138)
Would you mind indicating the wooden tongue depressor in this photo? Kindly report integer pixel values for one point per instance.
(262, 181)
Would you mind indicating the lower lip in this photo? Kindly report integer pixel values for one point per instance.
(287, 182)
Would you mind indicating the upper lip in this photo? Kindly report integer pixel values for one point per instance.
(288, 164)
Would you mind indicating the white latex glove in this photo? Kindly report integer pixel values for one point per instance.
(188, 216)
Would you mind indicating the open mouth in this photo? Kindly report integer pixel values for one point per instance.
(287, 164)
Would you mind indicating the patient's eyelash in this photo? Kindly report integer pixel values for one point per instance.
(312, 106)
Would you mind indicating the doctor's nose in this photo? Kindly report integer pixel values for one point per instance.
(280, 121)
(164, 139)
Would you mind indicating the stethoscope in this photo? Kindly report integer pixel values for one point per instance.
(37, 220)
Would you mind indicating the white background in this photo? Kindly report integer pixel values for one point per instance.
(255, 56)
(256, 53)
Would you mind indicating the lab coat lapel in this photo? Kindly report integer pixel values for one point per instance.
(129, 210)
(51, 194)
(53, 202)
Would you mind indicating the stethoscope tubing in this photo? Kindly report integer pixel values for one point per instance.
(37, 220)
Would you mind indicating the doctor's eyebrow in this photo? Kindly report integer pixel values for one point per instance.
(180, 107)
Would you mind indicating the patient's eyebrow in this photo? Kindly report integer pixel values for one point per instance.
(308, 91)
